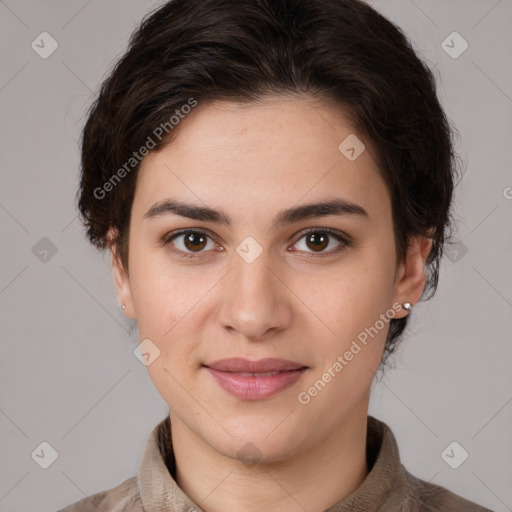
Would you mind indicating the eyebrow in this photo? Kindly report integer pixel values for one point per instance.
(284, 217)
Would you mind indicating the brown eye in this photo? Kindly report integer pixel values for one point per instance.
(316, 241)
(189, 242)
(194, 241)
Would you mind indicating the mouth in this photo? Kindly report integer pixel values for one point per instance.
(255, 380)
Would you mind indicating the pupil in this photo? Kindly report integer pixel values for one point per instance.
(189, 240)
(321, 243)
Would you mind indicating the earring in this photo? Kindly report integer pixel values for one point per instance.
(123, 306)
(407, 306)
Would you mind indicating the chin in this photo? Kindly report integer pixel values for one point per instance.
(260, 441)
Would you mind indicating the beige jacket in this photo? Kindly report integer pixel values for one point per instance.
(388, 487)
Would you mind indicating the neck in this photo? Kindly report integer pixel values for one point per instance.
(312, 480)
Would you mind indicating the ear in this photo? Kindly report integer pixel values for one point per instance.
(410, 281)
(121, 277)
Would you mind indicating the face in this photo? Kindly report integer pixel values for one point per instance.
(270, 317)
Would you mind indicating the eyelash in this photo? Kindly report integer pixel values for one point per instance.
(345, 242)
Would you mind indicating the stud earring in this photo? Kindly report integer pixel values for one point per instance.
(123, 306)
(407, 306)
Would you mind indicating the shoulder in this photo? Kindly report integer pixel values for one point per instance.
(427, 497)
(122, 498)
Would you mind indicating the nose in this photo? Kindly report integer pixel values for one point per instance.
(255, 300)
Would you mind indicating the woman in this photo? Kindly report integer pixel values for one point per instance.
(273, 179)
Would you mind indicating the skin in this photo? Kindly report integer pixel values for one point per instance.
(252, 161)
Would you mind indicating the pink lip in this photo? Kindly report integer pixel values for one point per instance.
(229, 373)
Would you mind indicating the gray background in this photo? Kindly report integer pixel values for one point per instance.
(68, 375)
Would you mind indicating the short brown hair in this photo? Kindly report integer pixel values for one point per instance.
(241, 50)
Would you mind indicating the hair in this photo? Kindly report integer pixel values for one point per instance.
(340, 51)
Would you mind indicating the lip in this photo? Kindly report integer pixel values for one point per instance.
(255, 380)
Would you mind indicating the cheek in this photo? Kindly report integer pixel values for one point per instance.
(350, 298)
(351, 306)
(157, 294)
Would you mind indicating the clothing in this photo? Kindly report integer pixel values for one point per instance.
(388, 487)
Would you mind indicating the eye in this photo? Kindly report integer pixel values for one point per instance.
(318, 240)
(192, 243)
(188, 242)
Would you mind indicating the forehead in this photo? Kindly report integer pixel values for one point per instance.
(270, 153)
